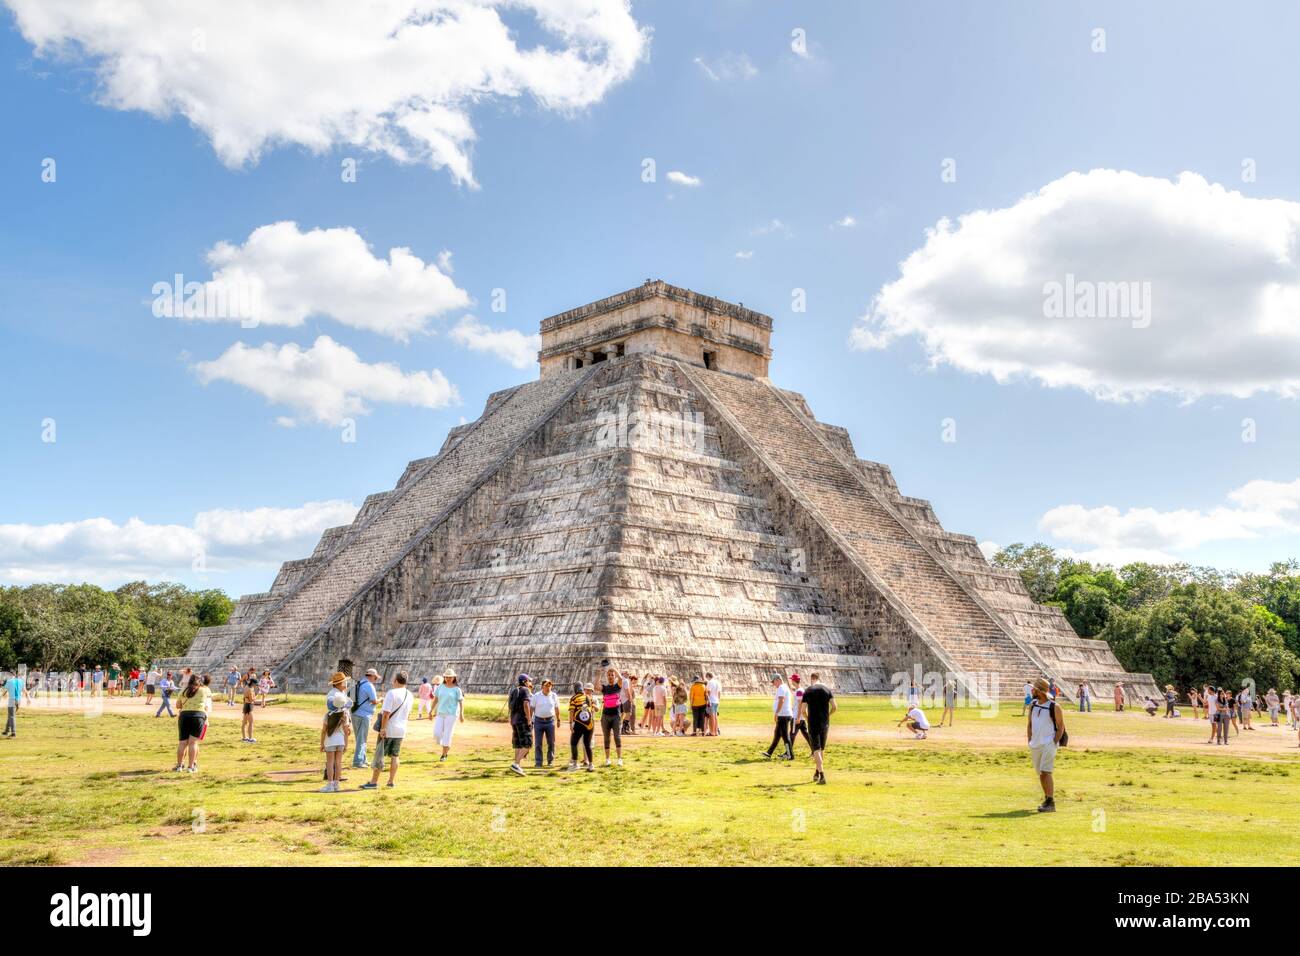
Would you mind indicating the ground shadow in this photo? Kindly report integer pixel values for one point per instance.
(1007, 815)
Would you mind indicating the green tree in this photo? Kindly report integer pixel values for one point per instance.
(1038, 567)
(213, 607)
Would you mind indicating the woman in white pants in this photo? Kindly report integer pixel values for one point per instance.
(449, 710)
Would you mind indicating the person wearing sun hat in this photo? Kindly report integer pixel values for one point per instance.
(448, 710)
(1046, 730)
(335, 730)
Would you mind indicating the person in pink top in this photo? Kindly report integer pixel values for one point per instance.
(426, 698)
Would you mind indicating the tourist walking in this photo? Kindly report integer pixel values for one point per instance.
(818, 704)
(232, 684)
(713, 690)
(1085, 699)
(363, 708)
(782, 715)
(425, 695)
(519, 704)
(151, 685)
(799, 725)
(335, 729)
(582, 723)
(246, 719)
(265, 686)
(1272, 701)
(610, 718)
(1119, 698)
(950, 702)
(1027, 697)
(1195, 699)
(546, 712)
(1171, 698)
(165, 687)
(449, 707)
(391, 729)
(1046, 732)
(13, 691)
(194, 702)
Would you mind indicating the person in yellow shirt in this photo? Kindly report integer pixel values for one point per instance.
(194, 702)
(699, 706)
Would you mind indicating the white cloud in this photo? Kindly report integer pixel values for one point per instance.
(745, 254)
(844, 222)
(1223, 276)
(397, 77)
(104, 552)
(1256, 510)
(770, 227)
(988, 549)
(509, 345)
(325, 383)
(682, 179)
(728, 66)
(285, 276)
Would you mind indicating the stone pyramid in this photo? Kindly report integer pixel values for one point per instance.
(654, 499)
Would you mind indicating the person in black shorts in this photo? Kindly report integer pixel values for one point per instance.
(611, 715)
(521, 721)
(816, 707)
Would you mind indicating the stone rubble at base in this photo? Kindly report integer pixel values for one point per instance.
(653, 499)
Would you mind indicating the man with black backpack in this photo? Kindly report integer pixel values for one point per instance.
(1046, 731)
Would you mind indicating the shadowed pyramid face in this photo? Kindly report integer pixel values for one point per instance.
(653, 500)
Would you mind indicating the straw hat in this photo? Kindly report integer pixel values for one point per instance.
(339, 679)
(449, 674)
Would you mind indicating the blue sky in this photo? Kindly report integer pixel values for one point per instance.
(784, 146)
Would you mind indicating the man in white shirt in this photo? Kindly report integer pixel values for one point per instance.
(1045, 728)
(392, 731)
(918, 723)
(782, 717)
(714, 687)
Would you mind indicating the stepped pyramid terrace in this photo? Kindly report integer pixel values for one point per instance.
(653, 498)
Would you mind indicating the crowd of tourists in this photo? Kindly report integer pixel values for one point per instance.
(374, 725)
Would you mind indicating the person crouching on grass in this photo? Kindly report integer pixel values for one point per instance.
(335, 730)
(1046, 730)
(916, 721)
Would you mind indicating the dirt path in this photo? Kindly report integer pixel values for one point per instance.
(1103, 730)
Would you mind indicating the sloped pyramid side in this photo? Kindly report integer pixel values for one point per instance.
(356, 579)
(630, 536)
(950, 610)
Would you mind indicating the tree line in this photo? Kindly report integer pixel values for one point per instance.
(1185, 625)
(65, 626)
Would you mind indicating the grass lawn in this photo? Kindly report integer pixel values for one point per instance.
(1131, 790)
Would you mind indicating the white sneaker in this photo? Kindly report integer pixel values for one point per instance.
(620, 761)
(570, 768)
(608, 764)
(328, 788)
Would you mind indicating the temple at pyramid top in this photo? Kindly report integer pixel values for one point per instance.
(662, 319)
